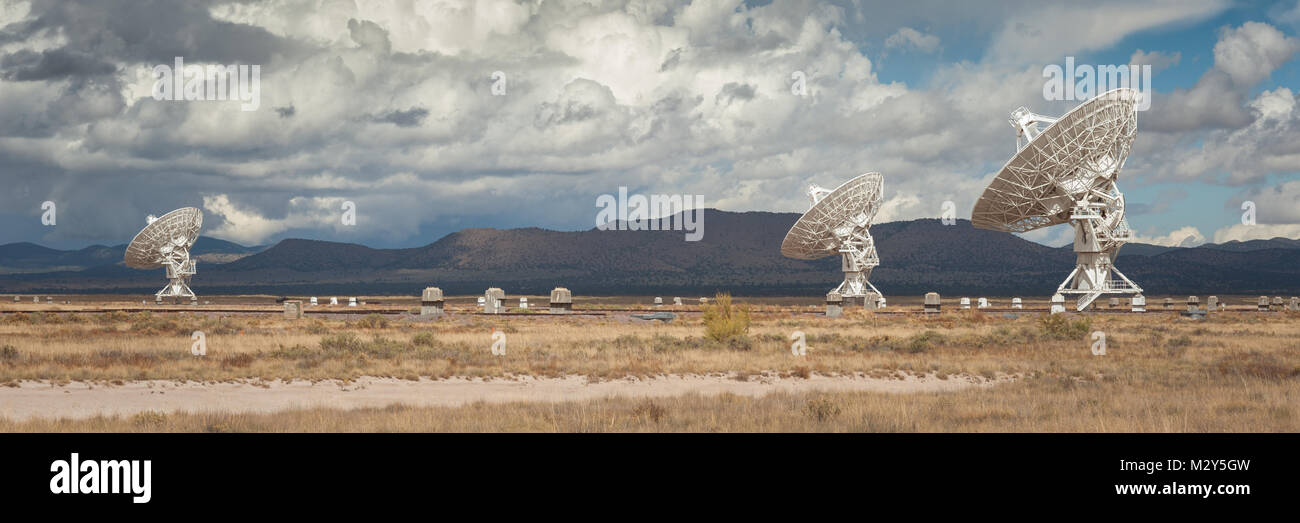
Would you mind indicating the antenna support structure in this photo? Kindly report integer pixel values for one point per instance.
(1064, 171)
(838, 223)
(165, 242)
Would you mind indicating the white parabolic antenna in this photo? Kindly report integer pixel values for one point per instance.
(166, 242)
(837, 223)
(1066, 174)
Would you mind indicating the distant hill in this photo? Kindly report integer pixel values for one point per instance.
(1256, 245)
(740, 252)
(31, 258)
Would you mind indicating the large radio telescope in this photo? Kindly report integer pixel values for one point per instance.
(837, 223)
(1066, 174)
(166, 242)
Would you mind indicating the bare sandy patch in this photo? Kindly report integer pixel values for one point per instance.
(77, 400)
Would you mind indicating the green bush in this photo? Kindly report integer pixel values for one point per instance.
(922, 342)
(424, 339)
(346, 342)
(373, 321)
(724, 321)
(1058, 327)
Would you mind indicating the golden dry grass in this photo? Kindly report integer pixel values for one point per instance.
(1231, 372)
(1032, 405)
(108, 347)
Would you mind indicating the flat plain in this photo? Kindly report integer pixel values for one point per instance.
(113, 364)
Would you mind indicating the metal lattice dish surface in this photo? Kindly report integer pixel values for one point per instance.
(850, 206)
(1082, 151)
(178, 229)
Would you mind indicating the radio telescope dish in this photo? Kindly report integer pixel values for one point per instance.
(837, 223)
(1066, 173)
(166, 242)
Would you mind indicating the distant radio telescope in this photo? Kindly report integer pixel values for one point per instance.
(166, 242)
(837, 223)
(1066, 174)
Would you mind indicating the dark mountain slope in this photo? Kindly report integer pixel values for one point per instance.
(739, 252)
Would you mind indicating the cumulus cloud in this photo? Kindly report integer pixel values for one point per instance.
(1158, 60)
(398, 108)
(242, 225)
(1187, 236)
(908, 38)
(1251, 52)
(1277, 214)
(1268, 145)
(1287, 15)
(1257, 232)
(1054, 236)
(1276, 203)
(1243, 57)
(1048, 34)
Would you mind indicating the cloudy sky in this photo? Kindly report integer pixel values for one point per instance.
(433, 116)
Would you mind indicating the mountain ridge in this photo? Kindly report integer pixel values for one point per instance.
(739, 252)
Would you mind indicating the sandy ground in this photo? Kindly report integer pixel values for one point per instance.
(33, 399)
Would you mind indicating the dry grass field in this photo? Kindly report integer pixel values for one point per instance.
(1233, 371)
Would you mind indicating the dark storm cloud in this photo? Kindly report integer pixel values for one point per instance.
(155, 31)
(670, 62)
(733, 91)
(402, 118)
(369, 35)
(26, 66)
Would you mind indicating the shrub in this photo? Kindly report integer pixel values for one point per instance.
(346, 342)
(424, 339)
(240, 361)
(821, 409)
(1256, 365)
(149, 418)
(211, 325)
(150, 324)
(41, 318)
(742, 343)
(113, 317)
(8, 353)
(373, 321)
(1058, 327)
(723, 321)
(922, 342)
(318, 327)
(378, 346)
(651, 410)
